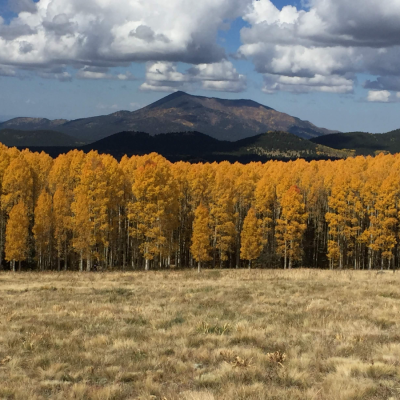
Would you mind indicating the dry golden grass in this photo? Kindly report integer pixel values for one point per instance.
(312, 335)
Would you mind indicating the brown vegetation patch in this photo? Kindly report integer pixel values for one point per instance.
(305, 335)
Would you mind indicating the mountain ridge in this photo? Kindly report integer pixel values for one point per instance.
(223, 119)
(363, 143)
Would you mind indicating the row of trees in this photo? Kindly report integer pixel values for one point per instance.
(85, 211)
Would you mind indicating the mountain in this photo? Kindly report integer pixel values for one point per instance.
(29, 124)
(363, 143)
(180, 112)
(44, 138)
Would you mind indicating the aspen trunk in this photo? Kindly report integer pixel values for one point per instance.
(285, 262)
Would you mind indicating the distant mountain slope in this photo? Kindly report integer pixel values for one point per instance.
(28, 124)
(180, 112)
(363, 143)
(44, 138)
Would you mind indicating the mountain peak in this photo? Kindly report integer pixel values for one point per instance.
(223, 119)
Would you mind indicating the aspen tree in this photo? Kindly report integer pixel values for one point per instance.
(17, 234)
(95, 189)
(5, 160)
(245, 178)
(200, 247)
(251, 238)
(17, 185)
(291, 226)
(222, 212)
(82, 228)
(154, 211)
(62, 225)
(42, 229)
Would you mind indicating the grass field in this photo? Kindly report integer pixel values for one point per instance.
(215, 335)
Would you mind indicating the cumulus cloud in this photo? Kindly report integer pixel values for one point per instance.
(383, 96)
(165, 77)
(324, 47)
(379, 96)
(115, 33)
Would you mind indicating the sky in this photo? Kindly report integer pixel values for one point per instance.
(335, 63)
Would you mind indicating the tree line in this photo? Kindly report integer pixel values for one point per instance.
(89, 211)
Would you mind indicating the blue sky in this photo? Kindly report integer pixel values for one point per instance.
(57, 63)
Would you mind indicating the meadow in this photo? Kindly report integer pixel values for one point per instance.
(221, 334)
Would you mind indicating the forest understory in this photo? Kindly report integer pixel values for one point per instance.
(180, 335)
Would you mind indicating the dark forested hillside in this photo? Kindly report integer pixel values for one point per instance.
(195, 146)
(363, 143)
(41, 138)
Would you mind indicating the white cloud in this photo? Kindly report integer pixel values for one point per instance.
(318, 83)
(102, 73)
(379, 96)
(331, 41)
(221, 76)
(165, 77)
(115, 33)
(5, 70)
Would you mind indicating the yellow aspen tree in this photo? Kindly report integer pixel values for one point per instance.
(17, 235)
(291, 226)
(96, 190)
(112, 240)
(5, 160)
(266, 206)
(369, 237)
(155, 207)
(17, 185)
(42, 229)
(185, 214)
(387, 208)
(131, 236)
(252, 242)
(245, 179)
(62, 225)
(40, 165)
(222, 212)
(200, 247)
(82, 229)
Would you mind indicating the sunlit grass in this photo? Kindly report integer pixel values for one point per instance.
(255, 334)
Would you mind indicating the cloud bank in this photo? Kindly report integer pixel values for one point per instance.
(109, 33)
(324, 47)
